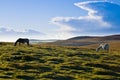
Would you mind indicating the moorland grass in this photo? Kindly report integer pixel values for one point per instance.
(45, 62)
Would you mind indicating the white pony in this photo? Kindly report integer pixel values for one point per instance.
(103, 46)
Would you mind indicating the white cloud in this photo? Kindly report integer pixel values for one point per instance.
(91, 22)
(8, 31)
(8, 34)
(83, 6)
(63, 27)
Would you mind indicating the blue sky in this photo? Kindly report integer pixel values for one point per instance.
(58, 19)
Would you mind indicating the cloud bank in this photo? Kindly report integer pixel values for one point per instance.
(102, 18)
(6, 31)
(11, 34)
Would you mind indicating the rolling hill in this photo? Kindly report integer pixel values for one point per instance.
(86, 40)
(110, 37)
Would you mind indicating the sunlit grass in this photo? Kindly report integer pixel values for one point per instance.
(47, 62)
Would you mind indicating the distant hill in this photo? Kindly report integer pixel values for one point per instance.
(111, 37)
(86, 40)
(82, 37)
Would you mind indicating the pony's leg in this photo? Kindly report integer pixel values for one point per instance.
(108, 51)
(98, 49)
(19, 43)
(28, 43)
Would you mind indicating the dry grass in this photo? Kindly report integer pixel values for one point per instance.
(114, 46)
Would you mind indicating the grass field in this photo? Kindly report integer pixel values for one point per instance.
(45, 62)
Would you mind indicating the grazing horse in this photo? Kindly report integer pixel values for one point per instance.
(22, 40)
(102, 46)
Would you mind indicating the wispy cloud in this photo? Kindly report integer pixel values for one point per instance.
(7, 31)
(102, 17)
(8, 34)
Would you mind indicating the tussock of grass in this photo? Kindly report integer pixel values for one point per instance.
(25, 77)
(54, 76)
(115, 68)
(5, 77)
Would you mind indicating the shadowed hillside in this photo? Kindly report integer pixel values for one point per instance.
(86, 40)
(111, 37)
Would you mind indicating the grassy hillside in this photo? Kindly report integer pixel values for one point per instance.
(86, 40)
(109, 37)
(45, 62)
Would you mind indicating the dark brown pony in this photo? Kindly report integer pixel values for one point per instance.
(22, 40)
